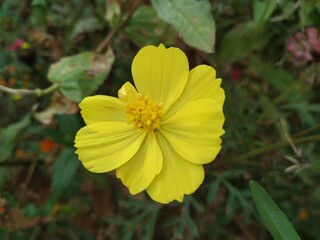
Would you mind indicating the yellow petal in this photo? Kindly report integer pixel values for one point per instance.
(160, 73)
(194, 131)
(102, 108)
(202, 83)
(138, 172)
(127, 93)
(105, 146)
(177, 177)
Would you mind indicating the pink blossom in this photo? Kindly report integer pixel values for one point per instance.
(304, 46)
(291, 45)
(16, 45)
(313, 38)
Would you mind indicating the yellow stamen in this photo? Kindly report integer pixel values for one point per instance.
(145, 113)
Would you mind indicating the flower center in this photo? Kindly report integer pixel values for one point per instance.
(145, 113)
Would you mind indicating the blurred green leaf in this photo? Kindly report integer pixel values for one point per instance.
(241, 41)
(213, 190)
(4, 175)
(150, 224)
(304, 110)
(38, 3)
(317, 6)
(237, 199)
(277, 77)
(315, 166)
(80, 75)
(192, 19)
(85, 25)
(145, 27)
(31, 210)
(309, 13)
(141, 211)
(262, 10)
(186, 220)
(68, 127)
(316, 193)
(272, 216)
(8, 136)
(64, 168)
(113, 13)
(195, 204)
(39, 11)
(287, 8)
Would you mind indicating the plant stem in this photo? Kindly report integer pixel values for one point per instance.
(267, 148)
(26, 92)
(276, 101)
(287, 14)
(296, 84)
(306, 131)
(106, 41)
(48, 90)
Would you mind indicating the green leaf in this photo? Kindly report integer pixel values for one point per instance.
(39, 11)
(315, 166)
(145, 27)
(80, 75)
(186, 221)
(113, 13)
(85, 25)
(308, 13)
(262, 10)
(317, 6)
(149, 226)
(68, 127)
(4, 176)
(192, 19)
(213, 190)
(277, 77)
(38, 3)
(241, 41)
(64, 168)
(272, 216)
(316, 194)
(8, 137)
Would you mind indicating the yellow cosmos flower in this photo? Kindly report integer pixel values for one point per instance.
(157, 137)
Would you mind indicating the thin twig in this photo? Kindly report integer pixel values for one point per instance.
(27, 181)
(281, 97)
(244, 228)
(255, 152)
(107, 40)
(14, 163)
(27, 92)
(306, 131)
(20, 92)
(287, 136)
(287, 14)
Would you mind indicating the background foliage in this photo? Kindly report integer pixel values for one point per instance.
(54, 53)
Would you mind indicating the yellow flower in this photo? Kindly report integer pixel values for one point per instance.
(157, 138)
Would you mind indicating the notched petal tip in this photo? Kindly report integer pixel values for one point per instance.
(204, 69)
(84, 102)
(162, 46)
(127, 93)
(160, 73)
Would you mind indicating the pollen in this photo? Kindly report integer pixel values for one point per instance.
(145, 113)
